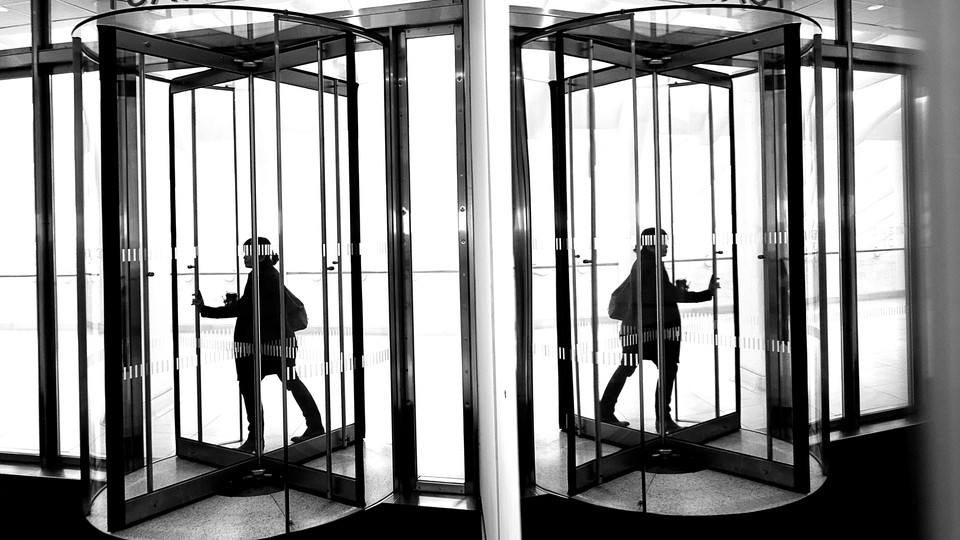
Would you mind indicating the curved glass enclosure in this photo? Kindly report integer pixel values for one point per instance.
(670, 181)
(224, 192)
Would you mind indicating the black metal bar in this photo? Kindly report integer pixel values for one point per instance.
(523, 271)
(324, 287)
(278, 126)
(795, 235)
(824, 323)
(594, 315)
(196, 262)
(574, 302)
(174, 282)
(83, 365)
(340, 321)
(849, 335)
(145, 273)
(713, 253)
(564, 351)
(636, 183)
(399, 278)
(113, 335)
(356, 268)
(236, 232)
(45, 233)
(470, 415)
(255, 252)
(734, 247)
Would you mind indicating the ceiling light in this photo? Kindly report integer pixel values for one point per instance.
(3, 9)
(875, 7)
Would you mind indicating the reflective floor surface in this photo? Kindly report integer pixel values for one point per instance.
(699, 493)
(254, 516)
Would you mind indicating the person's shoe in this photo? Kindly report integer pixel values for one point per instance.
(308, 434)
(250, 445)
(670, 426)
(612, 420)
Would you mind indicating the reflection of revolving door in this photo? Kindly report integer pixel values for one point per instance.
(258, 137)
(656, 119)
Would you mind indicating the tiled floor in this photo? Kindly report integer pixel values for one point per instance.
(258, 516)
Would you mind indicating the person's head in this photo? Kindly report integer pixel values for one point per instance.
(259, 252)
(648, 241)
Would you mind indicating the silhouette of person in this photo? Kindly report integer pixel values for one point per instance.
(270, 320)
(672, 295)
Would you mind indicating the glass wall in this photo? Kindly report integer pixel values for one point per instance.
(881, 241)
(19, 403)
(434, 221)
(65, 216)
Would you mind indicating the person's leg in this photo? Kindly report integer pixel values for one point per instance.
(245, 379)
(308, 406)
(671, 361)
(612, 391)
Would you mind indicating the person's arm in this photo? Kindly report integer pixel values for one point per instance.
(222, 312)
(686, 296)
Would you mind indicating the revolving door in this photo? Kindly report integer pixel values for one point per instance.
(660, 152)
(244, 124)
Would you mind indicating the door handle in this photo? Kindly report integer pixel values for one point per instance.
(761, 257)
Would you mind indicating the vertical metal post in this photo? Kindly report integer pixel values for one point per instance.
(48, 406)
(849, 325)
(174, 273)
(278, 127)
(594, 316)
(562, 247)
(236, 232)
(255, 252)
(713, 253)
(658, 243)
(575, 358)
(795, 235)
(196, 263)
(356, 268)
(113, 334)
(734, 248)
(340, 321)
(637, 230)
(468, 369)
(86, 463)
(824, 322)
(767, 200)
(324, 279)
(145, 273)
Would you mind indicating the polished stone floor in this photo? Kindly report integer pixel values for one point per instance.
(255, 516)
(699, 493)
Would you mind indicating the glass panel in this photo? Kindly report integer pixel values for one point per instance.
(831, 202)
(813, 257)
(434, 234)
(15, 29)
(885, 22)
(881, 260)
(378, 412)
(65, 209)
(19, 424)
(549, 441)
(92, 280)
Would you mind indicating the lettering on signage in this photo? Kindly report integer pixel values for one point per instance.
(754, 2)
(117, 4)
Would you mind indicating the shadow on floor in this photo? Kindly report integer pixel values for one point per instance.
(871, 492)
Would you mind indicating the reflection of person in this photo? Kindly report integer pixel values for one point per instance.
(672, 294)
(270, 318)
